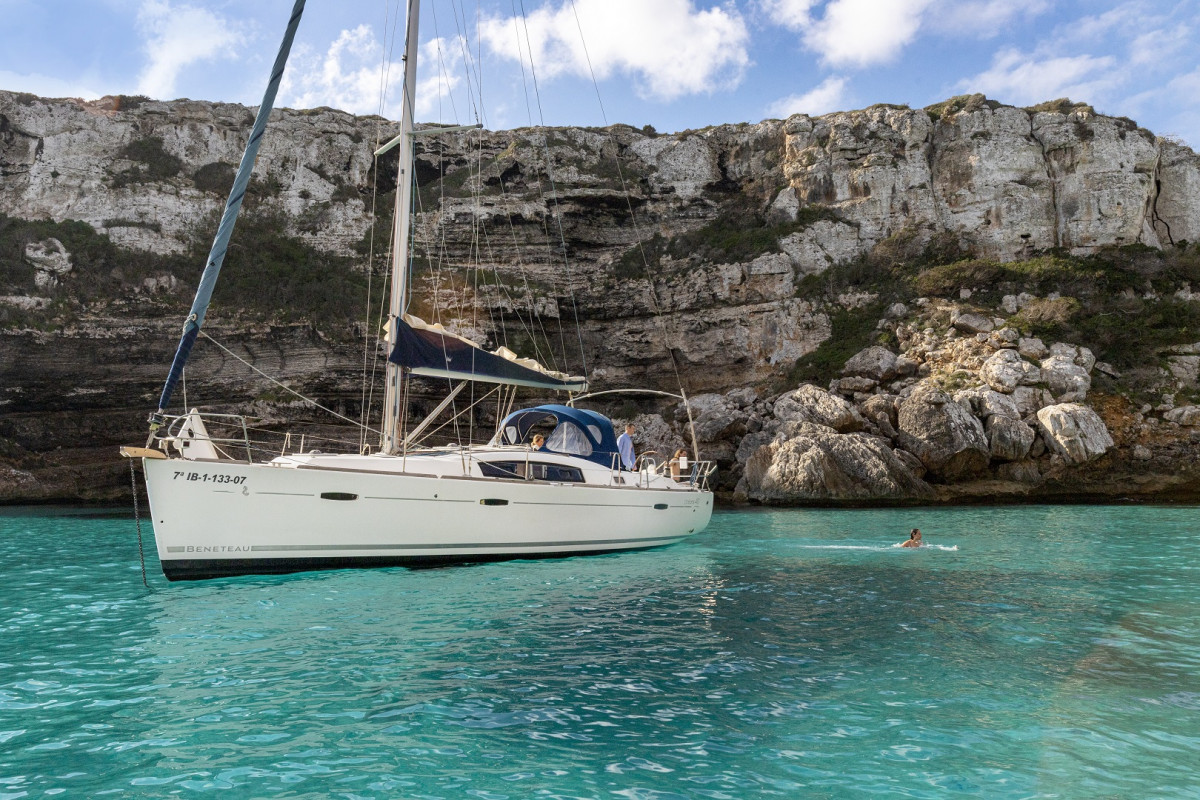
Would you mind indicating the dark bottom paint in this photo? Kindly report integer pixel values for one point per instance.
(204, 568)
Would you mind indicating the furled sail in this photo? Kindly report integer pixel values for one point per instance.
(216, 256)
(434, 352)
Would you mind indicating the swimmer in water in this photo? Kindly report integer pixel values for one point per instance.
(914, 539)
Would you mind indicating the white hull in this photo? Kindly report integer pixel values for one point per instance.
(215, 518)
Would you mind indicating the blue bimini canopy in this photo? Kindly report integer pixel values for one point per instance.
(578, 432)
(434, 352)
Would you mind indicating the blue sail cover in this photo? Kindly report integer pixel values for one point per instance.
(216, 256)
(439, 354)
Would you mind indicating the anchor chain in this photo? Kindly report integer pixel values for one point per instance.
(137, 518)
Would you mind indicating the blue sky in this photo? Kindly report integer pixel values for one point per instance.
(674, 64)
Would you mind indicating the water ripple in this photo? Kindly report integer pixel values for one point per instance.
(778, 654)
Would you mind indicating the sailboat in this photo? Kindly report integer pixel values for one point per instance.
(220, 508)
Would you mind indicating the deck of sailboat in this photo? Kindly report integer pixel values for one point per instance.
(469, 463)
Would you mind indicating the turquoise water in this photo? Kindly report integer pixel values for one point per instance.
(1054, 653)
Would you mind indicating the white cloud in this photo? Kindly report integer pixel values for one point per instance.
(1026, 79)
(348, 76)
(859, 33)
(46, 85)
(440, 68)
(669, 47)
(983, 18)
(176, 38)
(852, 33)
(792, 14)
(1153, 48)
(828, 96)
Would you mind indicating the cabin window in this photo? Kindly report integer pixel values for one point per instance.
(538, 470)
(569, 438)
(511, 435)
(595, 431)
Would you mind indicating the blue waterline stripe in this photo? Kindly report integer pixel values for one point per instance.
(291, 548)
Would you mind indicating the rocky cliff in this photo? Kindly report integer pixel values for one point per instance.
(995, 300)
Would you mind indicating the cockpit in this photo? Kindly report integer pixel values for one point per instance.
(571, 431)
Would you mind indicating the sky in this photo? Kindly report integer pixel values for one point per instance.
(672, 64)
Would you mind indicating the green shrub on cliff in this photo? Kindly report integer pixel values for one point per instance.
(271, 275)
(1121, 302)
(100, 270)
(154, 162)
(736, 235)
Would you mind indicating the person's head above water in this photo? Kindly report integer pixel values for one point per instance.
(915, 534)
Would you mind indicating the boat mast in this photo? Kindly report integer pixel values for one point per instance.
(393, 390)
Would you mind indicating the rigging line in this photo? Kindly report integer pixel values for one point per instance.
(308, 400)
(443, 69)
(587, 56)
(383, 80)
(426, 434)
(629, 203)
(554, 194)
(521, 60)
(470, 65)
(502, 289)
(529, 114)
(534, 316)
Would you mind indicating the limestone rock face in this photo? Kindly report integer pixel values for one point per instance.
(948, 439)
(812, 404)
(50, 259)
(1074, 431)
(1001, 182)
(816, 463)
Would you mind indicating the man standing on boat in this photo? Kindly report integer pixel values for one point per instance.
(625, 447)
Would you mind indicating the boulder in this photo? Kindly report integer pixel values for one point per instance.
(848, 387)
(713, 415)
(984, 402)
(876, 363)
(1009, 439)
(879, 405)
(905, 366)
(813, 404)
(1074, 432)
(948, 439)
(1064, 376)
(1028, 399)
(1081, 356)
(655, 436)
(1032, 348)
(1005, 370)
(1184, 415)
(1002, 338)
(973, 323)
(1185, 369)
(818, 463)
